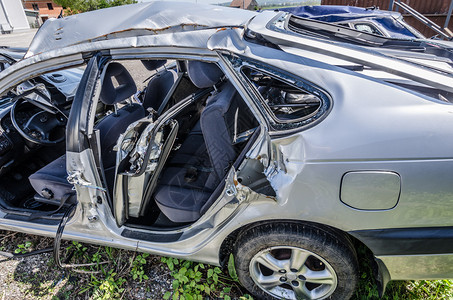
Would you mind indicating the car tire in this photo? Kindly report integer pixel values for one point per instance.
(295, 261)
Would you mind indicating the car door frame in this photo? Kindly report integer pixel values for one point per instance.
(93, 197)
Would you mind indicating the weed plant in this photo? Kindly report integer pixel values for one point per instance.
(132, 275)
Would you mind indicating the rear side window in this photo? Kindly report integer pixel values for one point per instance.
(287, 103)
(368, 28)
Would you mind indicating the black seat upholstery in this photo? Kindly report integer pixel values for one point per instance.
(207, 156)
(110, 129)
(50, 181)
(159, 86)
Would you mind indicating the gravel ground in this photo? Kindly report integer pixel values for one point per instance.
(37, 277)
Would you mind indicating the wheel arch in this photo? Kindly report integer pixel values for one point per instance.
(362, 251)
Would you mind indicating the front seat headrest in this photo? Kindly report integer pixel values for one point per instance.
(126, 85)
(203, 74)
(152, 65)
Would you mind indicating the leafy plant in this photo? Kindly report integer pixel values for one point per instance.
(196, 281)
(79, 249)
(137, 267)
(23, 248)
(232, 268)
(108, 288)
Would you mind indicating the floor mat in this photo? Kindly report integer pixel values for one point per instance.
(15, 188)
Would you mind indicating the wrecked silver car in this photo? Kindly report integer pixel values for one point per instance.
(196, 131)
(9, 56)
(369, 19)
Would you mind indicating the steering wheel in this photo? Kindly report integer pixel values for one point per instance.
(39, 127)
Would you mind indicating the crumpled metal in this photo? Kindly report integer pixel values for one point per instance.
(134, 20)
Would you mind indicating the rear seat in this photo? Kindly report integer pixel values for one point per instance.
(189, 180)
(190, 166)
(208, 152)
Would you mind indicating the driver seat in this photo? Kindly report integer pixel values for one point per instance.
(50, 182)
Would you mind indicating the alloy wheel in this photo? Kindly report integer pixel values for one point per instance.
(293, 273)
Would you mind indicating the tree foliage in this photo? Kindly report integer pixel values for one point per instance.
(77, 6)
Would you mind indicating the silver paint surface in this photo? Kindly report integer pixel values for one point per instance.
(376, 190)
(371, 126)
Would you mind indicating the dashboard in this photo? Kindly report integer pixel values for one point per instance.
(59, 88)
(21, 117)
(5, 144)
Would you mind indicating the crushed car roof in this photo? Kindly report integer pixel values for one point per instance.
(335, 13)
(391, 21)
(197, 29)
(132, 20)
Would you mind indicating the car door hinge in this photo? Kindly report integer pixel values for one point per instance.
(231, 190)
(76, 178)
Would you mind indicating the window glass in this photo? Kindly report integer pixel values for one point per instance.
(50, 6)
(286, 102)
(368, 28)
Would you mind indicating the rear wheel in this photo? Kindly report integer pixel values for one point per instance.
(293, 261)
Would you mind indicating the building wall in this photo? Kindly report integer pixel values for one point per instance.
(12, 13)
(249, 4)
(435, 10)
(33, 18)
(43, 7)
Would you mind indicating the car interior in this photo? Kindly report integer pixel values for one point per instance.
(214, 129)
(38, 142)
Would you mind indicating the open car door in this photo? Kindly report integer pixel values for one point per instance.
(142, 152)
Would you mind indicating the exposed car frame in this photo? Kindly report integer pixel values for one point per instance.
(9, 56)
(379, 22)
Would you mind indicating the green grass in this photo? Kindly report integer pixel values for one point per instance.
(127, 271)
(407, 290)
(399, 290)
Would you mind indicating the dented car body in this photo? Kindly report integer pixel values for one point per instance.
(370, 19)
(285, 141)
